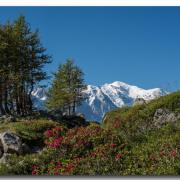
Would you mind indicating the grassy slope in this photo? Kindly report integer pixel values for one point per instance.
(29, 130)
(121, 146)
(134, 121)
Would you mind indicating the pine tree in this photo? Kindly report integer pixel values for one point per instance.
(22, 58)
(66, 92)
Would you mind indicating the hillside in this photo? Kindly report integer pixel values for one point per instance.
(145, 117)
(138, 140)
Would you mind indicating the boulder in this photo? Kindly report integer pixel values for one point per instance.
(10, 119)
(139, 101)
(7, 118)
(163, 116)
(10, 143)
(36, 149)
(65, 114)
(2, 117)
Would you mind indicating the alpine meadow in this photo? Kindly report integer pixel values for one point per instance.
(65, 109)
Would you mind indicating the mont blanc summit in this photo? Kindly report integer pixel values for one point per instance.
(101, 99)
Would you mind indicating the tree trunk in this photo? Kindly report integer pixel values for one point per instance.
(6, 102)
(2, 109)
(30, 103)
(74, 107)
(17, 105)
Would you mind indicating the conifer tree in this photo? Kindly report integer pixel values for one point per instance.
(22, 58)
(66, 92)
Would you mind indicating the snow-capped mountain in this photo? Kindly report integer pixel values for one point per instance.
(101, 99)
(39, 97)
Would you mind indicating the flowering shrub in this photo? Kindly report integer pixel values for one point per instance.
(116, 124)
(34, 170)
(63, 167)
(104, 159)
(54, 137)
(82, 140)
(92, 150)
(118, 157)
(173, 153)
(77, 144)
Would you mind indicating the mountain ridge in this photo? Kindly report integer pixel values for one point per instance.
(101, 99)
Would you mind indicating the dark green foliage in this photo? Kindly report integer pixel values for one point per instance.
(22, 58)
(73, 121)
(67, 86)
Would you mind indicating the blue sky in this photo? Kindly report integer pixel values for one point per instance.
(136, 45)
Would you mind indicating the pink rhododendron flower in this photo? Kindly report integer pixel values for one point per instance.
(118, 156)
(34, 170)
(162, 153)
(49, 133)
(113, 145)
(173, 153)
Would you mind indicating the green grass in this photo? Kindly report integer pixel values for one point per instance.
(125, 144)
(134, 121)
(29, 130)
(154, 156)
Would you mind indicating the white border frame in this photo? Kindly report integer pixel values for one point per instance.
(89, 3)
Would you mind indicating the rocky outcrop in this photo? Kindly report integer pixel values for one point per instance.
(7, 118)
(163, 116)
(10, 143)
(139, 101)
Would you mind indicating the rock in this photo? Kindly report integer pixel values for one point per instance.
(11, 119)
(3, 117)
(65, 114)
(10, 143)
(7, 118)
(25, 149)
(36, 149)
(5, 158)
(139, 101)
(80, 115)
(163, 116)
